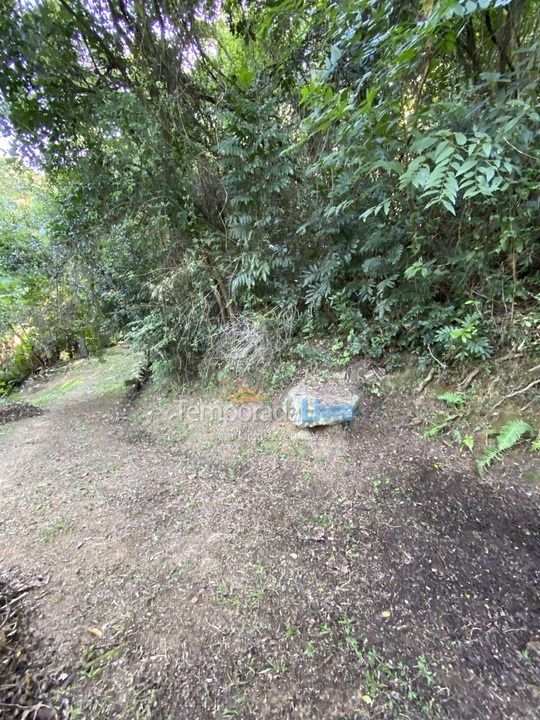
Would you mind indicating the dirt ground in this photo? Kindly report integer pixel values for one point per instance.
(184, 564)
(11, 411)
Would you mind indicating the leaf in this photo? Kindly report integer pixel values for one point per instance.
(461, 139)
(451, 187)
(423, 143)
(443, 152)
(411, 170)
(407, 55)
(452, 398)
(511, 434)
(96, 632)
(335, 54)
(245, 76)
(467, 165)
(436, 429)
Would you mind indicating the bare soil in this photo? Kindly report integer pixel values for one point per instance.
(183, 566)
(11, 411)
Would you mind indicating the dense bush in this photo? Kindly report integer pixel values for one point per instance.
(368, 169)
(46, 307)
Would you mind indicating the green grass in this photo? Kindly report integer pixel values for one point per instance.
(6, 430)
(100, 377)
(59, 526)
(283, 445)
(48, 397)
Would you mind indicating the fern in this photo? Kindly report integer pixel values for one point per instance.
(511, 434)
(535, 445)
(452, 398)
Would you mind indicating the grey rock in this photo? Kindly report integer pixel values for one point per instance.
(315, 406)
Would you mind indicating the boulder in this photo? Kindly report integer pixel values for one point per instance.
(309, 407)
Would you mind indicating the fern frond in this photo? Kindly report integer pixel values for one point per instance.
(511, 434)
(452, 398)
(487, 458)
(535, 445)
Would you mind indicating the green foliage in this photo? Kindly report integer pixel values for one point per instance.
(452, 398)
(509, 436)
(44, 304)
(370, 169)
(16, 363)
(464, 340)
(438, 427)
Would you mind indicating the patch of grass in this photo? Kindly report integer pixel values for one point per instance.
(244, 675)
(141, 707)
(49, 397)
(291, 631)
(310, 649)
(92, 489)
(41, 504)
(272, 444)
(324, 520)
(59, 526)
(254, 598)
(225, 595)
(309, 474)
(276, 666)
(299, 450)
(96, 661)
(180, 432)
(209, 443)
(283, 445)
(236, 464)
(103, 376)
(398, 685)
(6, 430)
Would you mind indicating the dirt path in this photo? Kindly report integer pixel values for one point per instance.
(191, 569)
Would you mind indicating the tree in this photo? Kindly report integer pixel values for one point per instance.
(369, 168)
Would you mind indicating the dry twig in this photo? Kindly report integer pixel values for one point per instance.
(464, 384)
(426, 381)
(516, 392)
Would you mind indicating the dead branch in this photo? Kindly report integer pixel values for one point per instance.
(464, 384)
(426, 381)
(516, 392)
